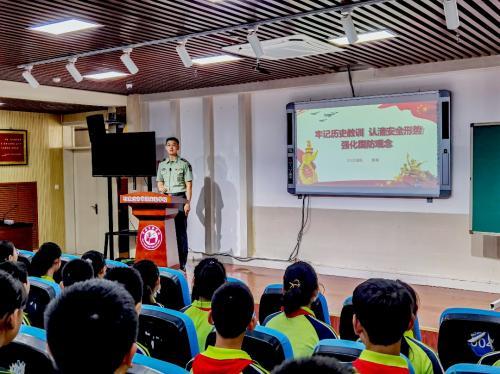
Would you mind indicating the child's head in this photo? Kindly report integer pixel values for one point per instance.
(300, 285)
(209, 275)
(232, 310)
(14, 298)
(131, 280)
(76, 270)
(7, 251)
(315, 364)
(46, 260)
(150, 276)
(18, 271)
(92, 327)
(96, 259)
(382, 311)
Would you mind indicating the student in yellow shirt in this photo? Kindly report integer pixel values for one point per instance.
(46, 261)
(209, 275)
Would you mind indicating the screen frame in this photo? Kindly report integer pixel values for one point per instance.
(443, 141)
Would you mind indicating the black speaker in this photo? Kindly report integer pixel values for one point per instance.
(96, 126)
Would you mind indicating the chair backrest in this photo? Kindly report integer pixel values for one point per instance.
(28, 349)
(265, 345)
(490, 358)
(346, 329)
(472, 369)
(174, 293)
(169, 335)
(147, 365)
(235, 280)
(343, 350)
(466, 335)
(26, 254)
(115, 264)
(271, 302)
(41, 293)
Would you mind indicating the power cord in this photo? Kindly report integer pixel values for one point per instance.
(304, 223)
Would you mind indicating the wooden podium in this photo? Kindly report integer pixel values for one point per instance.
(154, 226)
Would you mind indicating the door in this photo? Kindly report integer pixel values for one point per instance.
(90, 205)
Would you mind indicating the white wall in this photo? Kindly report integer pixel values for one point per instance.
(426, 243)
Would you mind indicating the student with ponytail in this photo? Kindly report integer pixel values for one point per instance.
(209, 275)
(46, 261)
(297, 321)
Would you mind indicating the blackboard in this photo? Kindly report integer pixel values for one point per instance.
(485, 178)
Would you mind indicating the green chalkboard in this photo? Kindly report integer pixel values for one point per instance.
(485, 177)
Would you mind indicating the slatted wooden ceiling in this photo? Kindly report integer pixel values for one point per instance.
(419, 24)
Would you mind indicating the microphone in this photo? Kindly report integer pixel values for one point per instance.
(9, 221)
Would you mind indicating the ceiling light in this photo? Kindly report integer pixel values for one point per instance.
(215, 59)
(2, 104)
(63, 27)
(348, 26)
(106, 75)
(184, 54)
(28, 77)
(71, 68)
(451, 14)
(254, 41)
(127, 61)
(365, 37)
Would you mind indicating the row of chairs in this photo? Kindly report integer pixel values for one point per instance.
(465, 335)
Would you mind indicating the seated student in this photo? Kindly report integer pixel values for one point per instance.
(96, 259)
(8, 251)
(209, 275)
(410, 348)
(131, 280)
(313, 365)
(46, 261)
(18, 271)
(297, 321)
(151, 281)
(76, 270)
(232, 314)
(13, 300)
(92, 328)
(382, 313)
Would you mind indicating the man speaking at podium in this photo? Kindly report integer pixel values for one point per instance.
(175, 178)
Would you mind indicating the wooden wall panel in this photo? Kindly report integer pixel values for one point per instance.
(45, 167)
(18, 201)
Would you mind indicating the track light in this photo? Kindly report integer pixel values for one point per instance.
(184, 54)
(30, 78)
(254, 41)
(451, 14)
(348, 26)
(127, 61)
(71, 68)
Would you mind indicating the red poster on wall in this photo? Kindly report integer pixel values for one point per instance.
(13, 147)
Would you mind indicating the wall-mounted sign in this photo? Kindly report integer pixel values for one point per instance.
(13, 147)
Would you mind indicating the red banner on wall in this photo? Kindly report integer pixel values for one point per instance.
(13, 147)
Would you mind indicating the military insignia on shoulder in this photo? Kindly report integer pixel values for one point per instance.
(187, 162)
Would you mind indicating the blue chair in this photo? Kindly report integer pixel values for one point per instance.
(174, 293)
(29, 347)
(265, 345)
(466, 335)
(345, 351)
(115, 264)
(25, 253)
(40, 295)
(168, 335)
(346, 330)
(146, 365)
(271, 302)
(472, 369)
(235, 280)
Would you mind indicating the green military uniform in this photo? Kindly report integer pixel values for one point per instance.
(174, 174)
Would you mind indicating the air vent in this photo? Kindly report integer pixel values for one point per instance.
(287, 47)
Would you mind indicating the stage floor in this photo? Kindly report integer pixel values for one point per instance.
(433, 300)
